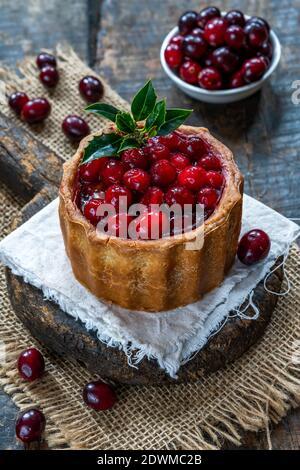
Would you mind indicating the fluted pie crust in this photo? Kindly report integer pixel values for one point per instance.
(153, 275)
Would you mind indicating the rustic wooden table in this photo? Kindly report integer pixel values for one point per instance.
(121, 39)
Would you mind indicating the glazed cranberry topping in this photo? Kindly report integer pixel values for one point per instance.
(210, 162)
(214, 31)
(31, 364)
(134, 158)
(114, 192)
(112, 172)
(91, 89)
(90, 210)
(179, 161)
(253, 246)
(36, 110)
(152, 225)
(192, 178)
(17, 100)
(208, 197)
(75, 128)
(235, 17)
(187, 22)
(99, 396)
(210, 78)
(137, 179)
(117, 225)
(157, 151)
(189, 71)
(173, 55)
(90, 172)
(215, 179)
(153, 195)
(162, 173)
(30, 425)
(194, 46)
(179, 195)
(207, 14)
(44, 59)
(49, 76)
(194, 147)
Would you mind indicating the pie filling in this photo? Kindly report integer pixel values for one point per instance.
(129, 196)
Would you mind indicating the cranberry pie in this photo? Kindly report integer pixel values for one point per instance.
(187, 166)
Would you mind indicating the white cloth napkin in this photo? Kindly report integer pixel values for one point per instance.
(36, 252)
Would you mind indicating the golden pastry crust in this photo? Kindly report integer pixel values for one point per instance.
(153, 275)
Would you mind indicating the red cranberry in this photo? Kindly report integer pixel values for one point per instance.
(90, 172)
(194, 46)
(235, 17)
(210, 78)
(152, 225)
(214, 31)
(253, 69)
(207, 59)
(235, 37)
(153, 195)
(179, 195)
(117, 225)
(207, 14)
(210, 162)
(179, 161)
(93, 190)
(253, 246)
(44, 59)
(36, 110)
(208, 197)
(189, 71)
(49, 76)
(237, 80)
(17, 100)
(134, 158)
(163, 173)
(266, 49)
(172, 141)
(136, 179)
(256, 33)
(259, 20)
(158, 152)
(31, 364)
(75, 128)
(215, 179)
(225, 59)
(90, 210)
(30, 425)
(194, 147)
(99, 396)
(173, 55)
(91, 89)
(177, 39)
(192, 178)
(197, 32)
(114, 192)
(112, 172)
(187, 22)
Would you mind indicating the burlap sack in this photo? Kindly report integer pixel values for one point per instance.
(261, 387)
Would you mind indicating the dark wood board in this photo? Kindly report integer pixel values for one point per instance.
(263, 131)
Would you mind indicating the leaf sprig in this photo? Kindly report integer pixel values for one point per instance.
(144, 107)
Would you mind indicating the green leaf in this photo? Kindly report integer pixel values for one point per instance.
(157, 117)
(105, 145)
(143, 102)
(129, 143)
(125, 123)
(102, 109)
(174, 118)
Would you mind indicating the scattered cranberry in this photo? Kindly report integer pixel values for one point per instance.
(30, 425)
(75, 128)
(210, 162)
(253, 247)
(153, 195)
(162, 173)
(173, 55)
(117, 225)
(194, 46)
(179, 195)
(187, 22)
(44, 59)
(91, 89)
(36, 110)
(235, 37)
(208, 197)
(152, 225)
(215, 179)
(179, 161)
(112, 172)
(237, 80)
(90, 172)
(256, 33)
(91, 212)
(214, 31)
(49, 76)
(134, 158)
(235, 17)
(207, 14)
(17, 100)
(210, 78)
(189, 71)
(192, 178)
(113, 194)
(253, 69)
(136, 179)
(99, 396)
(225, 59)
(31, 364)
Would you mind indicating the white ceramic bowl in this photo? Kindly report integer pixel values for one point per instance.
(220, 96)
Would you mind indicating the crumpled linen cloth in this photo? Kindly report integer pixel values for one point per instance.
(36, 252)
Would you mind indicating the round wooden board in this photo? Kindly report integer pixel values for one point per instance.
(68, 337)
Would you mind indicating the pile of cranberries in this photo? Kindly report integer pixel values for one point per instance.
(173, 169)
(218, 52)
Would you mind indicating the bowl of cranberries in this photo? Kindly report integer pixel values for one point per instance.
(220, 57)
